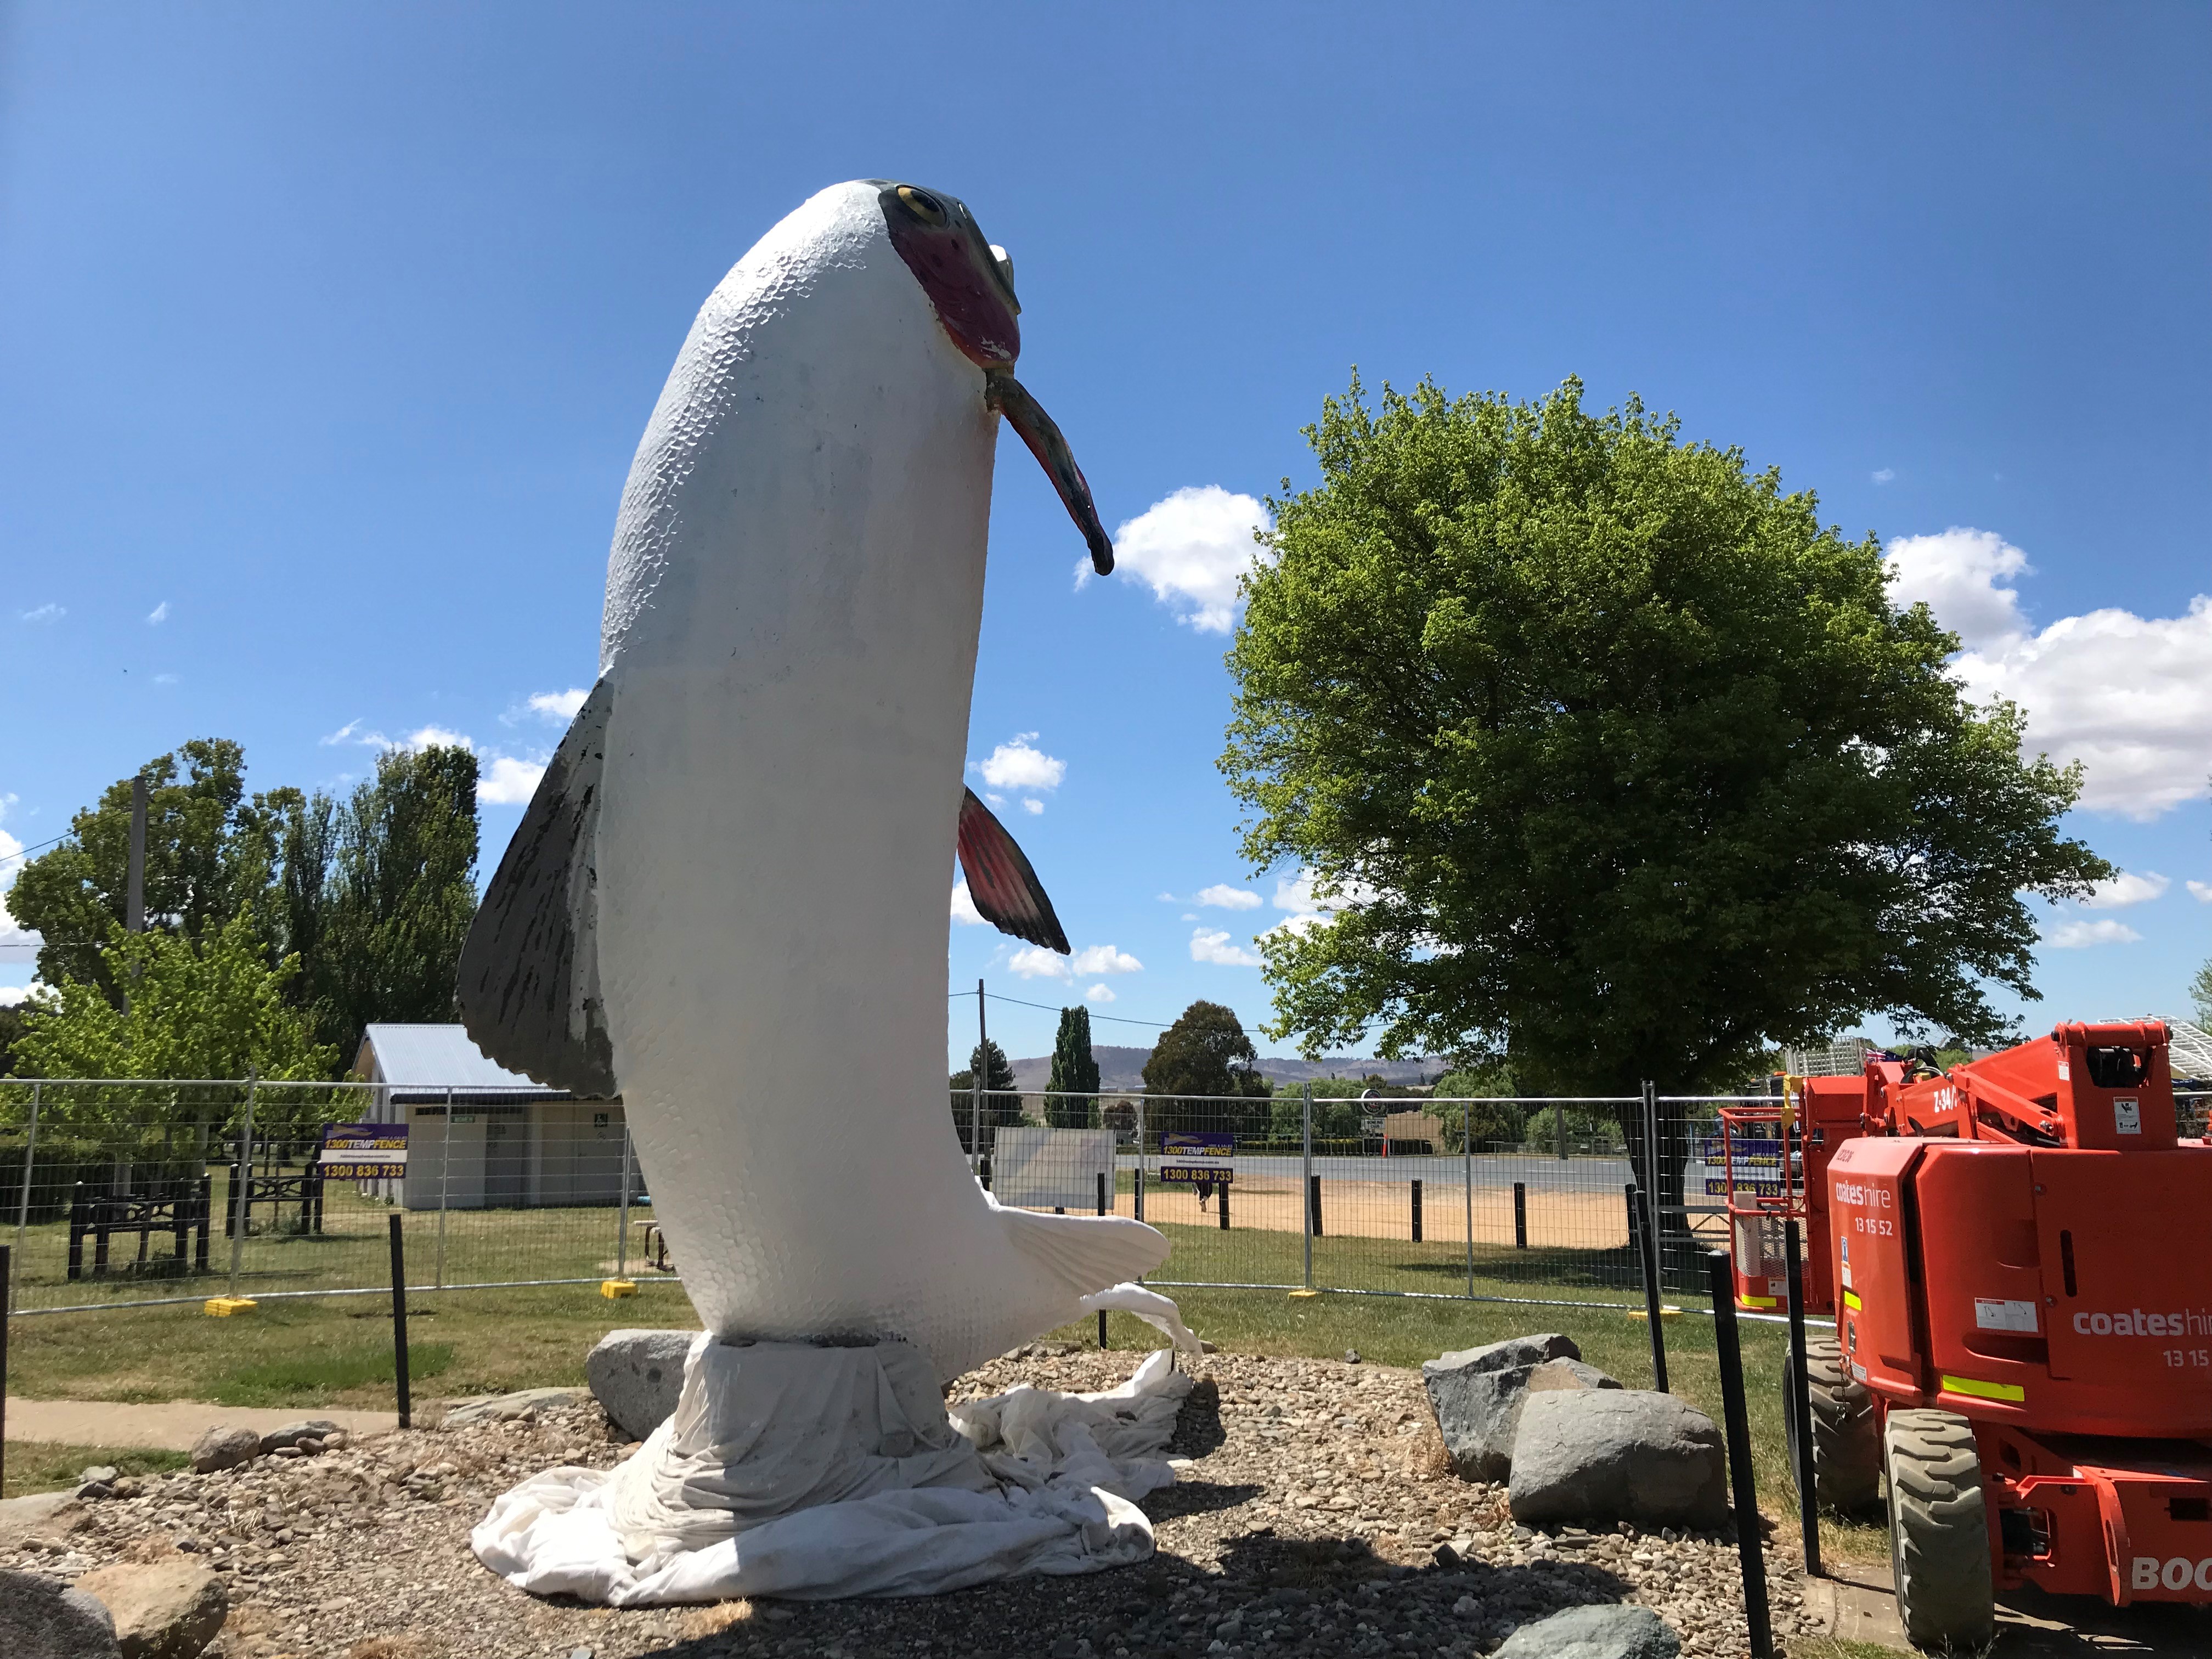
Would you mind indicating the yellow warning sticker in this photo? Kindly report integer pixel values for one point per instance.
(1851, 1301)
(2011, 1392)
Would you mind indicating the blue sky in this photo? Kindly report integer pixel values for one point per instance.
(329, 333)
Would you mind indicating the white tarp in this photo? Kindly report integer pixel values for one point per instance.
(817, 1473)
(1051, 1168)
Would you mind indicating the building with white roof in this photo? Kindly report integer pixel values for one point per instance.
(480, 1136)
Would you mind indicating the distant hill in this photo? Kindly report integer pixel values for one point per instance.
(1124, 1068)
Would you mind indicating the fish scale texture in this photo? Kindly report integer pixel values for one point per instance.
(793, 601)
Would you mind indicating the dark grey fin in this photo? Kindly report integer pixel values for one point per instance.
(1006, 890)
(529, 987)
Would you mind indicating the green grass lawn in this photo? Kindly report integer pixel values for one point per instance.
(337, 1351)
(48, 1465)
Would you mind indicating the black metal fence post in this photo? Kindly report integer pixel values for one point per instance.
(1520, 1215)
(1313, 1202)
(1743, 1486)
(1801, 1403)
(1101, 1210)
(6, 1301)
(1417, 1212)
(1647, 1263)
(400, 1324)
(1223, 1209)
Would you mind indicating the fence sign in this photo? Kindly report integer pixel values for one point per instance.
(1207, 1144)
(364, 1151)
(1756, 1166)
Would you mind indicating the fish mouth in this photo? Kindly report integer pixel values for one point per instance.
(1003, 392)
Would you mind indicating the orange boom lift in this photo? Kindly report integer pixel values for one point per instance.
(2022, 1248)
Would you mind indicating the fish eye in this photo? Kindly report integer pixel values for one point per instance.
(924, 206)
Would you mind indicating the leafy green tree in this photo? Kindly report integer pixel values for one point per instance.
(1206, 1053)
(1488, 1119)
(1001, 1105)
(1616, 763)
(12, 1026)
(206, 1007)
(2200, 992)
(1073, 1087)
(378, 894)
(208, 855)
(1336, 1112)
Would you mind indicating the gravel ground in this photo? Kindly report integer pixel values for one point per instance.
(1317, 1517)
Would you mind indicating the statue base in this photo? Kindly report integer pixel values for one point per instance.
(816, 1473)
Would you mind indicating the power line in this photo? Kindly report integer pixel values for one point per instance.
(1157, 1025)
(20, 851)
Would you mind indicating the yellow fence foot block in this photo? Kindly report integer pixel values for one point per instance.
(1664, 1313)
(1298, 1295)
(613, 1289)
(222, 1307)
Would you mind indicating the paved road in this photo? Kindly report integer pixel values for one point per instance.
(1575, 1175)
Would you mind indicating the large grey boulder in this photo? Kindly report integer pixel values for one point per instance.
(1476, 1394)
(162, 1609)
(1601, 1633)
(1596, 1456)
(305, 1435)
(636, 1375)
(225, 1446)
(43, 1619)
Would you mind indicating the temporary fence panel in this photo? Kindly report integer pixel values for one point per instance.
(121, 1193)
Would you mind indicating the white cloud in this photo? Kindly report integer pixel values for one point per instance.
(2125, 888)
(2078, 935)
(558, 705)
(963, 906)
(1884, 474)
(2129, 696)
(436, 736)
(13, 936)
(48, 612)
(1032, 806)
(346, 734)
(2201, 891)
(12, 994)
(1035, 962)
(1019, 765)
(1212, 944)
(510, 782)
(1191, 547)
(1099, 993)
(158, 615)
(1296, 894)
(165, 679)
(1105, 959)
(1221, 896)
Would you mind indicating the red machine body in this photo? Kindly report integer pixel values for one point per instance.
(2025, 1242)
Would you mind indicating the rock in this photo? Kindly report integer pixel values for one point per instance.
(508, 1407)
(1476, 1395)
(295, 1436)
(41, 1515)
(1351, 1356)
(636, 1375)
(163, 1610)
(45, 1619)
(97, 1475)
(1602, 1456)
(225, 1446)
(1568, 1374)
(1599, 1632)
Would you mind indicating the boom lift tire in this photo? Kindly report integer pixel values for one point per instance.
(1939, 1531)
(1846, 1443)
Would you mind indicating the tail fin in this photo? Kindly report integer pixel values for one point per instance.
(1085, 1253)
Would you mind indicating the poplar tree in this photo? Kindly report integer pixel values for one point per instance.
(1073, 1088)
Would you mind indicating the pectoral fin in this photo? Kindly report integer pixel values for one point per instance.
(529, 987)
(1006, 890)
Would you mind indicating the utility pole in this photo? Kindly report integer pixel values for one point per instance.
(134, 902)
